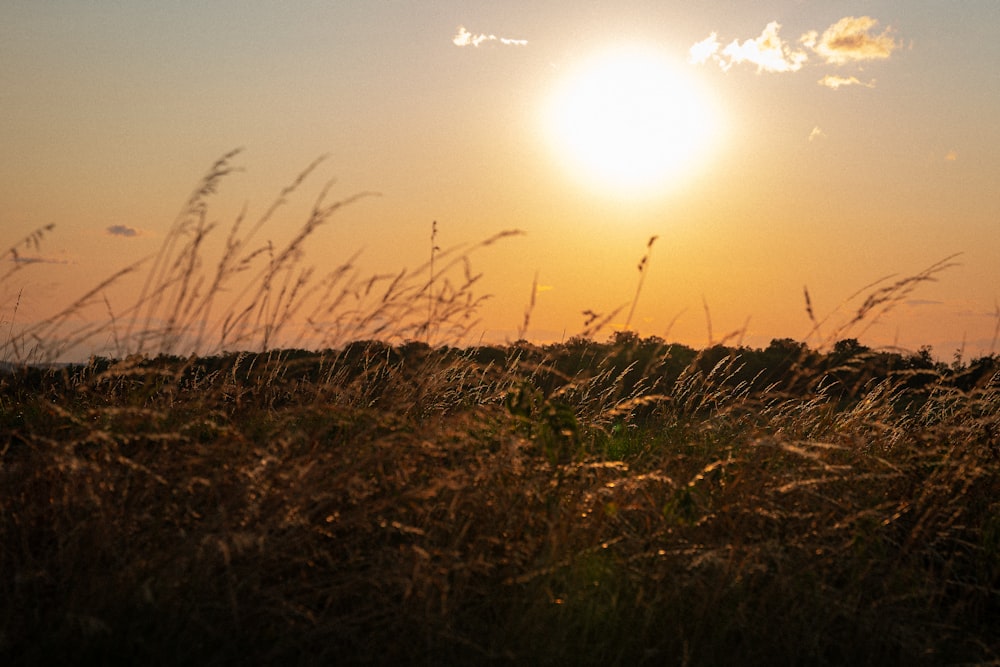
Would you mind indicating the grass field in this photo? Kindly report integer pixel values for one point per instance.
(608, 500)
(618, 503)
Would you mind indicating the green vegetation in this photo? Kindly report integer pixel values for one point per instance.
(390, 501)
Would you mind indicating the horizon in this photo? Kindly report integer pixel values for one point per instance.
(789, 158)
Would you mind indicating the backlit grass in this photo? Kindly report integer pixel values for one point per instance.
(608, 500)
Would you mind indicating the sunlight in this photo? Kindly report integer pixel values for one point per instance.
(629, 122)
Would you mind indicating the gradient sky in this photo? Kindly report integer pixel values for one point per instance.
(852, 140)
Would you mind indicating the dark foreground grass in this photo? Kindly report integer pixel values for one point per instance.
(621, 503)
(617, 504)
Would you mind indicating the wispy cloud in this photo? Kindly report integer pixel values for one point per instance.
(816, 134)
(852, 39)
(122, 230)
(951, 156)
(768, 52)
(833, 81)
(465, 38)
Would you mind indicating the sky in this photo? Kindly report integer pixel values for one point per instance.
(773, 148)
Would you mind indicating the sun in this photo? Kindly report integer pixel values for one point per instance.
(628, 122)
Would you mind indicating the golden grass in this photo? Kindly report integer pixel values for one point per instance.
(398, 502)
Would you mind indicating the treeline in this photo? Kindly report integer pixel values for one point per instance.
(785, 365)
(625, 363)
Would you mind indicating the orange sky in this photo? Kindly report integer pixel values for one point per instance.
(848, 142)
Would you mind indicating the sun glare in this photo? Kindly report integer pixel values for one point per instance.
(628, 122)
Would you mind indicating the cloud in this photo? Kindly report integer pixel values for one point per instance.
(465, 38)
(851, 39)
(768, 52)
(833, 81)
(705, 49)
(122, 230)
(817, 133)
(951, 156)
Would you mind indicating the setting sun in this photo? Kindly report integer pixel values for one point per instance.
(770, 148)
(583, 333)
(627, 121)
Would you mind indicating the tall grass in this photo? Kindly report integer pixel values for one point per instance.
(401, 501)
(255, 295)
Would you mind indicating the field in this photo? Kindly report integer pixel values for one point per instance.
(381, 499)
(625, 502)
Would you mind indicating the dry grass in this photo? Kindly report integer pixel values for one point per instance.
(253, 294)
(627, 502)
